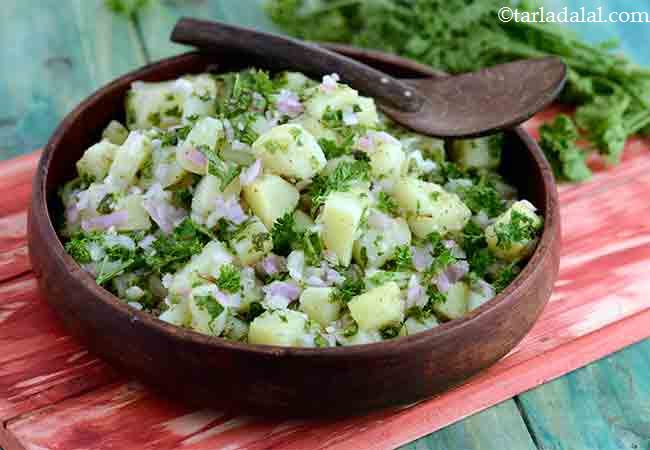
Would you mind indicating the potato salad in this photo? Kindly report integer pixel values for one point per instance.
(280, 210)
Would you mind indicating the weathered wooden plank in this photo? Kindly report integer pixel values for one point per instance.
(157, 22)
(497, 428)
(52, 60)
(14, 258)
(602, 406)
(15, 178)
(40, 364)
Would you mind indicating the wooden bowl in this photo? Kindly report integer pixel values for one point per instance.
(211, 371)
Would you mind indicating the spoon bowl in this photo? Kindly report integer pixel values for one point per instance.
(461, 106)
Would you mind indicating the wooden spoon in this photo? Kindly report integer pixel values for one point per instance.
(460, 106)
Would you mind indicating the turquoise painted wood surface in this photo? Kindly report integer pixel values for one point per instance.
(61, 50)
(54, 53)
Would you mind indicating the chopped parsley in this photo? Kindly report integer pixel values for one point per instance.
(229, 278)
(401, 260)
(483, 197)
(351, 287)
(386, 204)
(520, 228)
(340, 180)
(210, 304)
(174, 250)
(505, 276)
(283, 234)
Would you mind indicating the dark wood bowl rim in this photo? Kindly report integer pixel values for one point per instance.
(513, 293)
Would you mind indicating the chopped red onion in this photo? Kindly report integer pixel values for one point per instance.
(332, 277)
(315, 280)
(456, 271)
(196, 157)
(283, 289)
(364, 143)
(289, 103)
(116, 219)
(156, 203)
(273, 264)
(251, 173)
(442, 282)
(381, 137)
(329, 83)
(422, 258)
(229, 209)
(230, 301)
(484, 288)
(416, 294)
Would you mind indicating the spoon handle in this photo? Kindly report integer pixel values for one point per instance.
(301, 56)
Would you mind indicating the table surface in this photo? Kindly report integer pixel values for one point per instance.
(56, 52)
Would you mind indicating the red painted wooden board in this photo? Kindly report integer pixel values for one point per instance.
(54, 395)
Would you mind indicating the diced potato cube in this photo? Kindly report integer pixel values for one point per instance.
(499, 235)
(115, 133)
(316, 128)
(343, 98)
(317, 303)
(138, 218)
(129, 159)
(166, 170)
(178, 314)
(417, 197)
(204, 199)
(378, 307)
(387, 157)
(236, 329)
(252, 243)
(207, 314)
(456, 304)
(361, 337)
(207, 263)
(451, 219)
(291, 151)
(479, 153)
(294, 81)
(412, 325)
(203, 136)
(341, 216)
(153, 105)
(201, 101)
(378, 242)
(271, 197)
(97, 160)
(430, 208)
(476, 299)
(281, 327)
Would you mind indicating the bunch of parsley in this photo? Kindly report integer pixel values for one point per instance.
(611, 94)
